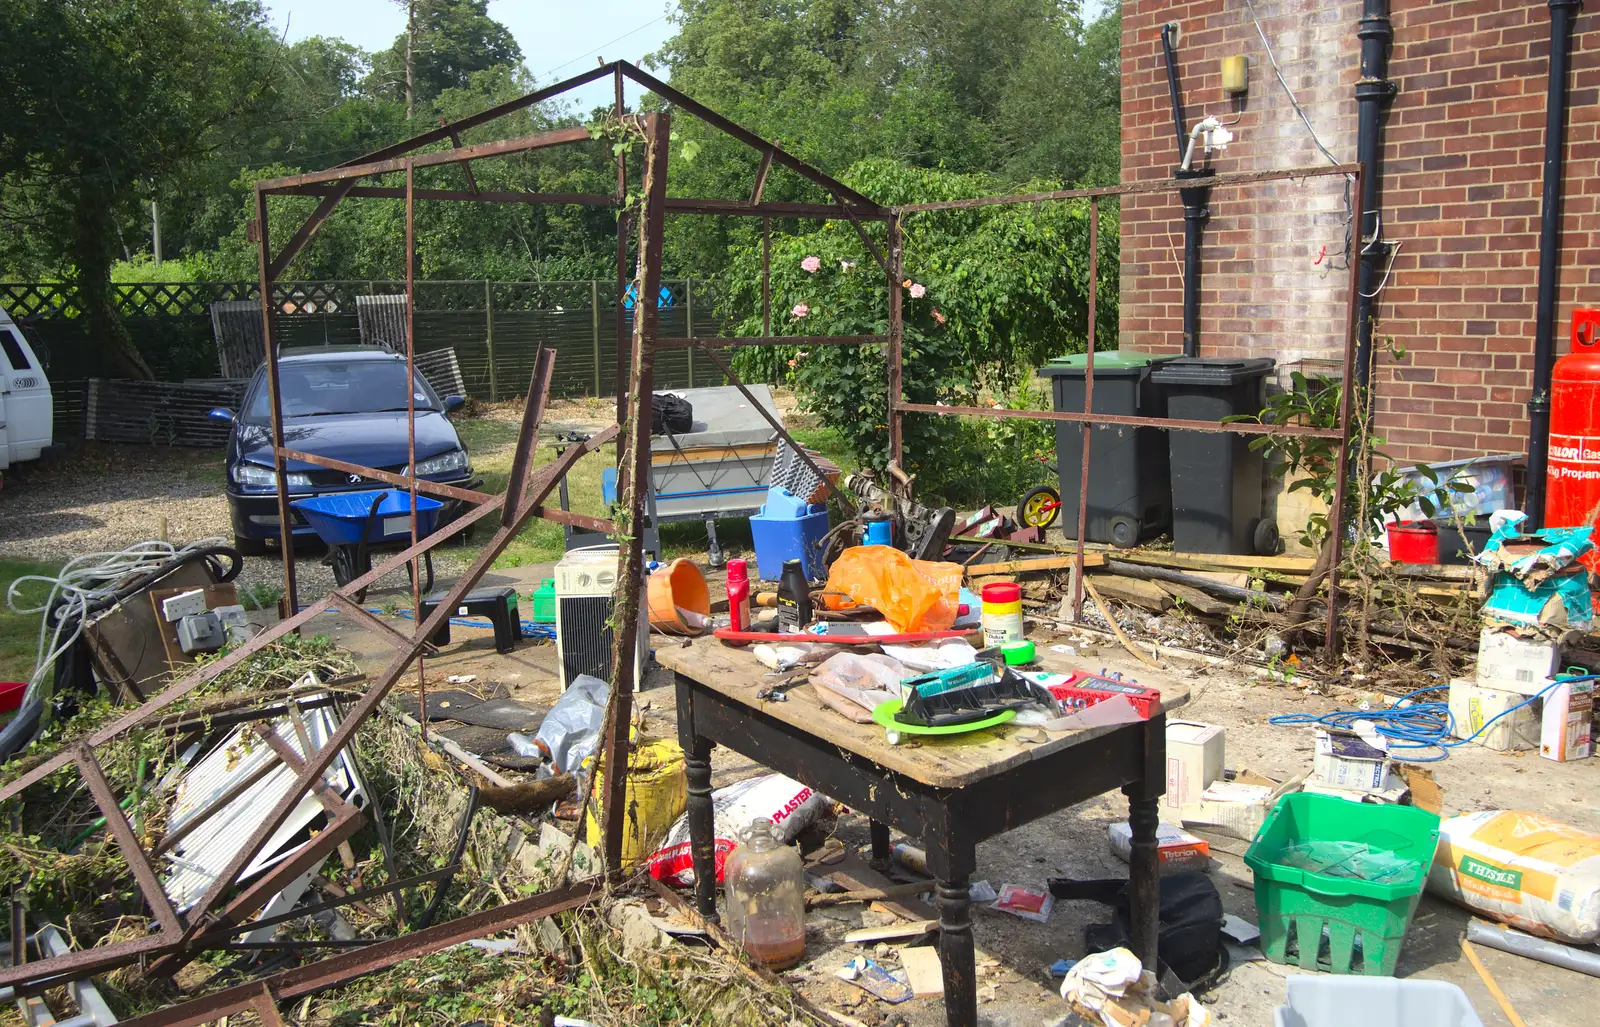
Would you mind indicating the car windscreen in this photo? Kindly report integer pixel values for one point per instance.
(317, 388)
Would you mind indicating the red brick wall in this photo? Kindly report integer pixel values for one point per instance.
(1460, 194)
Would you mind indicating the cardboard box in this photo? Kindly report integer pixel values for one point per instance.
(1557, 603)
(1236, 808)
(1394, 790)
(1566, 725)
(1176, 849)
(1472, 706)
(1195, 756)
(1346, 761)
(1510, 663)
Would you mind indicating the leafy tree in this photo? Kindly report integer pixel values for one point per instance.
(1008, 87)
(1064, 118)
(445, 43)
(106, 97)
(365, 237)
(993, 292)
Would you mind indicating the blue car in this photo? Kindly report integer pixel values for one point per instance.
(345, 404)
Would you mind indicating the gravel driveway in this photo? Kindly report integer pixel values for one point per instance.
(103, 498)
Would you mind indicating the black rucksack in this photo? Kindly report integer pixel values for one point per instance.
(670, 414)
(1189, 940)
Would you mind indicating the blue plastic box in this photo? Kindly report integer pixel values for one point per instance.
(788, 528)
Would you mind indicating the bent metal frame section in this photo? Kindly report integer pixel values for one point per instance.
(209, 922)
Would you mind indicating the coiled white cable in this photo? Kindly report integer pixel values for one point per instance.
(82, 581)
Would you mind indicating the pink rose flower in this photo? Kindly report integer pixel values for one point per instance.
(800, 310)
(918, 290)
(811, 264)
(937, 316)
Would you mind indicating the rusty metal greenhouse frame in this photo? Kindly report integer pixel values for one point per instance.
(208, 923)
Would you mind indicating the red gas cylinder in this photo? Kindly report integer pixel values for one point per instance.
(1572, 484)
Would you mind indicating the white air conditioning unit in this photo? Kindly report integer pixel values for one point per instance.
(586, 593)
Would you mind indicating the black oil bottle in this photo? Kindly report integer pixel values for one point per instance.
(794, 598)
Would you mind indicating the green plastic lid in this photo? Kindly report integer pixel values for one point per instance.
(1110, 360)
(1016, 654)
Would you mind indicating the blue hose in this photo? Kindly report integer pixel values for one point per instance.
(1423, 725)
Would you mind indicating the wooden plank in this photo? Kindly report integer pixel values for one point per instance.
(1193, 598)
(853, 872)
(1047, 563)
(923, 970)
(1220, 561)
(1145, 594)
(903, 931)
(944, 762)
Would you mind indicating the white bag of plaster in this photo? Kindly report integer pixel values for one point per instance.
(787, 803)
(1537, 874)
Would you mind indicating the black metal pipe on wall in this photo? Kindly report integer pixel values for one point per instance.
(1195, 210)
(1562, 13)
(1373, 93)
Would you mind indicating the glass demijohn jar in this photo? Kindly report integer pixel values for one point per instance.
(766, 897)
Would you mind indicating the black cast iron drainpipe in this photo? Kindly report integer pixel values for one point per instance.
(1195, 210)
(1373, 93)
(1562, 13)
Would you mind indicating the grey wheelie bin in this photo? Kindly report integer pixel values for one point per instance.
(1130, 496)
(1216, 477)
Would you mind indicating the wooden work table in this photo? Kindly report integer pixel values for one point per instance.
(951, 792)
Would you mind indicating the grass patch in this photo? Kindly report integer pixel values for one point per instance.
(19, 633)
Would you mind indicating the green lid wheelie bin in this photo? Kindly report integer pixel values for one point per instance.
(1216, 476)
(1130, 496)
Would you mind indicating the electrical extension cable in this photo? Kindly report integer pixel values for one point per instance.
(88, 583)
(1423, 725)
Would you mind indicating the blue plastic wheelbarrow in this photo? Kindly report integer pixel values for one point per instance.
(351, 523)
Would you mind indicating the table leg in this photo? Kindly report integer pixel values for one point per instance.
(880, 847)
(1144, 814)
(702, 822)
(952, 857)
(702, 826)
(956, 954)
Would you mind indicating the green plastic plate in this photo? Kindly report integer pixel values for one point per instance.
(884, 713)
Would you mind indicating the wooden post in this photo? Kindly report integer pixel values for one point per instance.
(633, 481)
(488, 337)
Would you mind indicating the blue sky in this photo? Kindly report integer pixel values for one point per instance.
(559, 38)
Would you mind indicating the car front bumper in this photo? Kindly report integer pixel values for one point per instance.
(255, 514)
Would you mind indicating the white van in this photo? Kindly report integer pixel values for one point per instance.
(26, 410)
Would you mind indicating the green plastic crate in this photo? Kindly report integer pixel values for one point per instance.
(1295, 905)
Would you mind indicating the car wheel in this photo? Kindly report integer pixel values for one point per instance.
(250, 546)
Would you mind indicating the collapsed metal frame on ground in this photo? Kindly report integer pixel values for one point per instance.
(178, 941)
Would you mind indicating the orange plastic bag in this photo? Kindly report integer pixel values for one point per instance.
(912, 595)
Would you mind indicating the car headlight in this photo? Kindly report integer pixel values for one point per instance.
(264, 477)
(454, 461)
